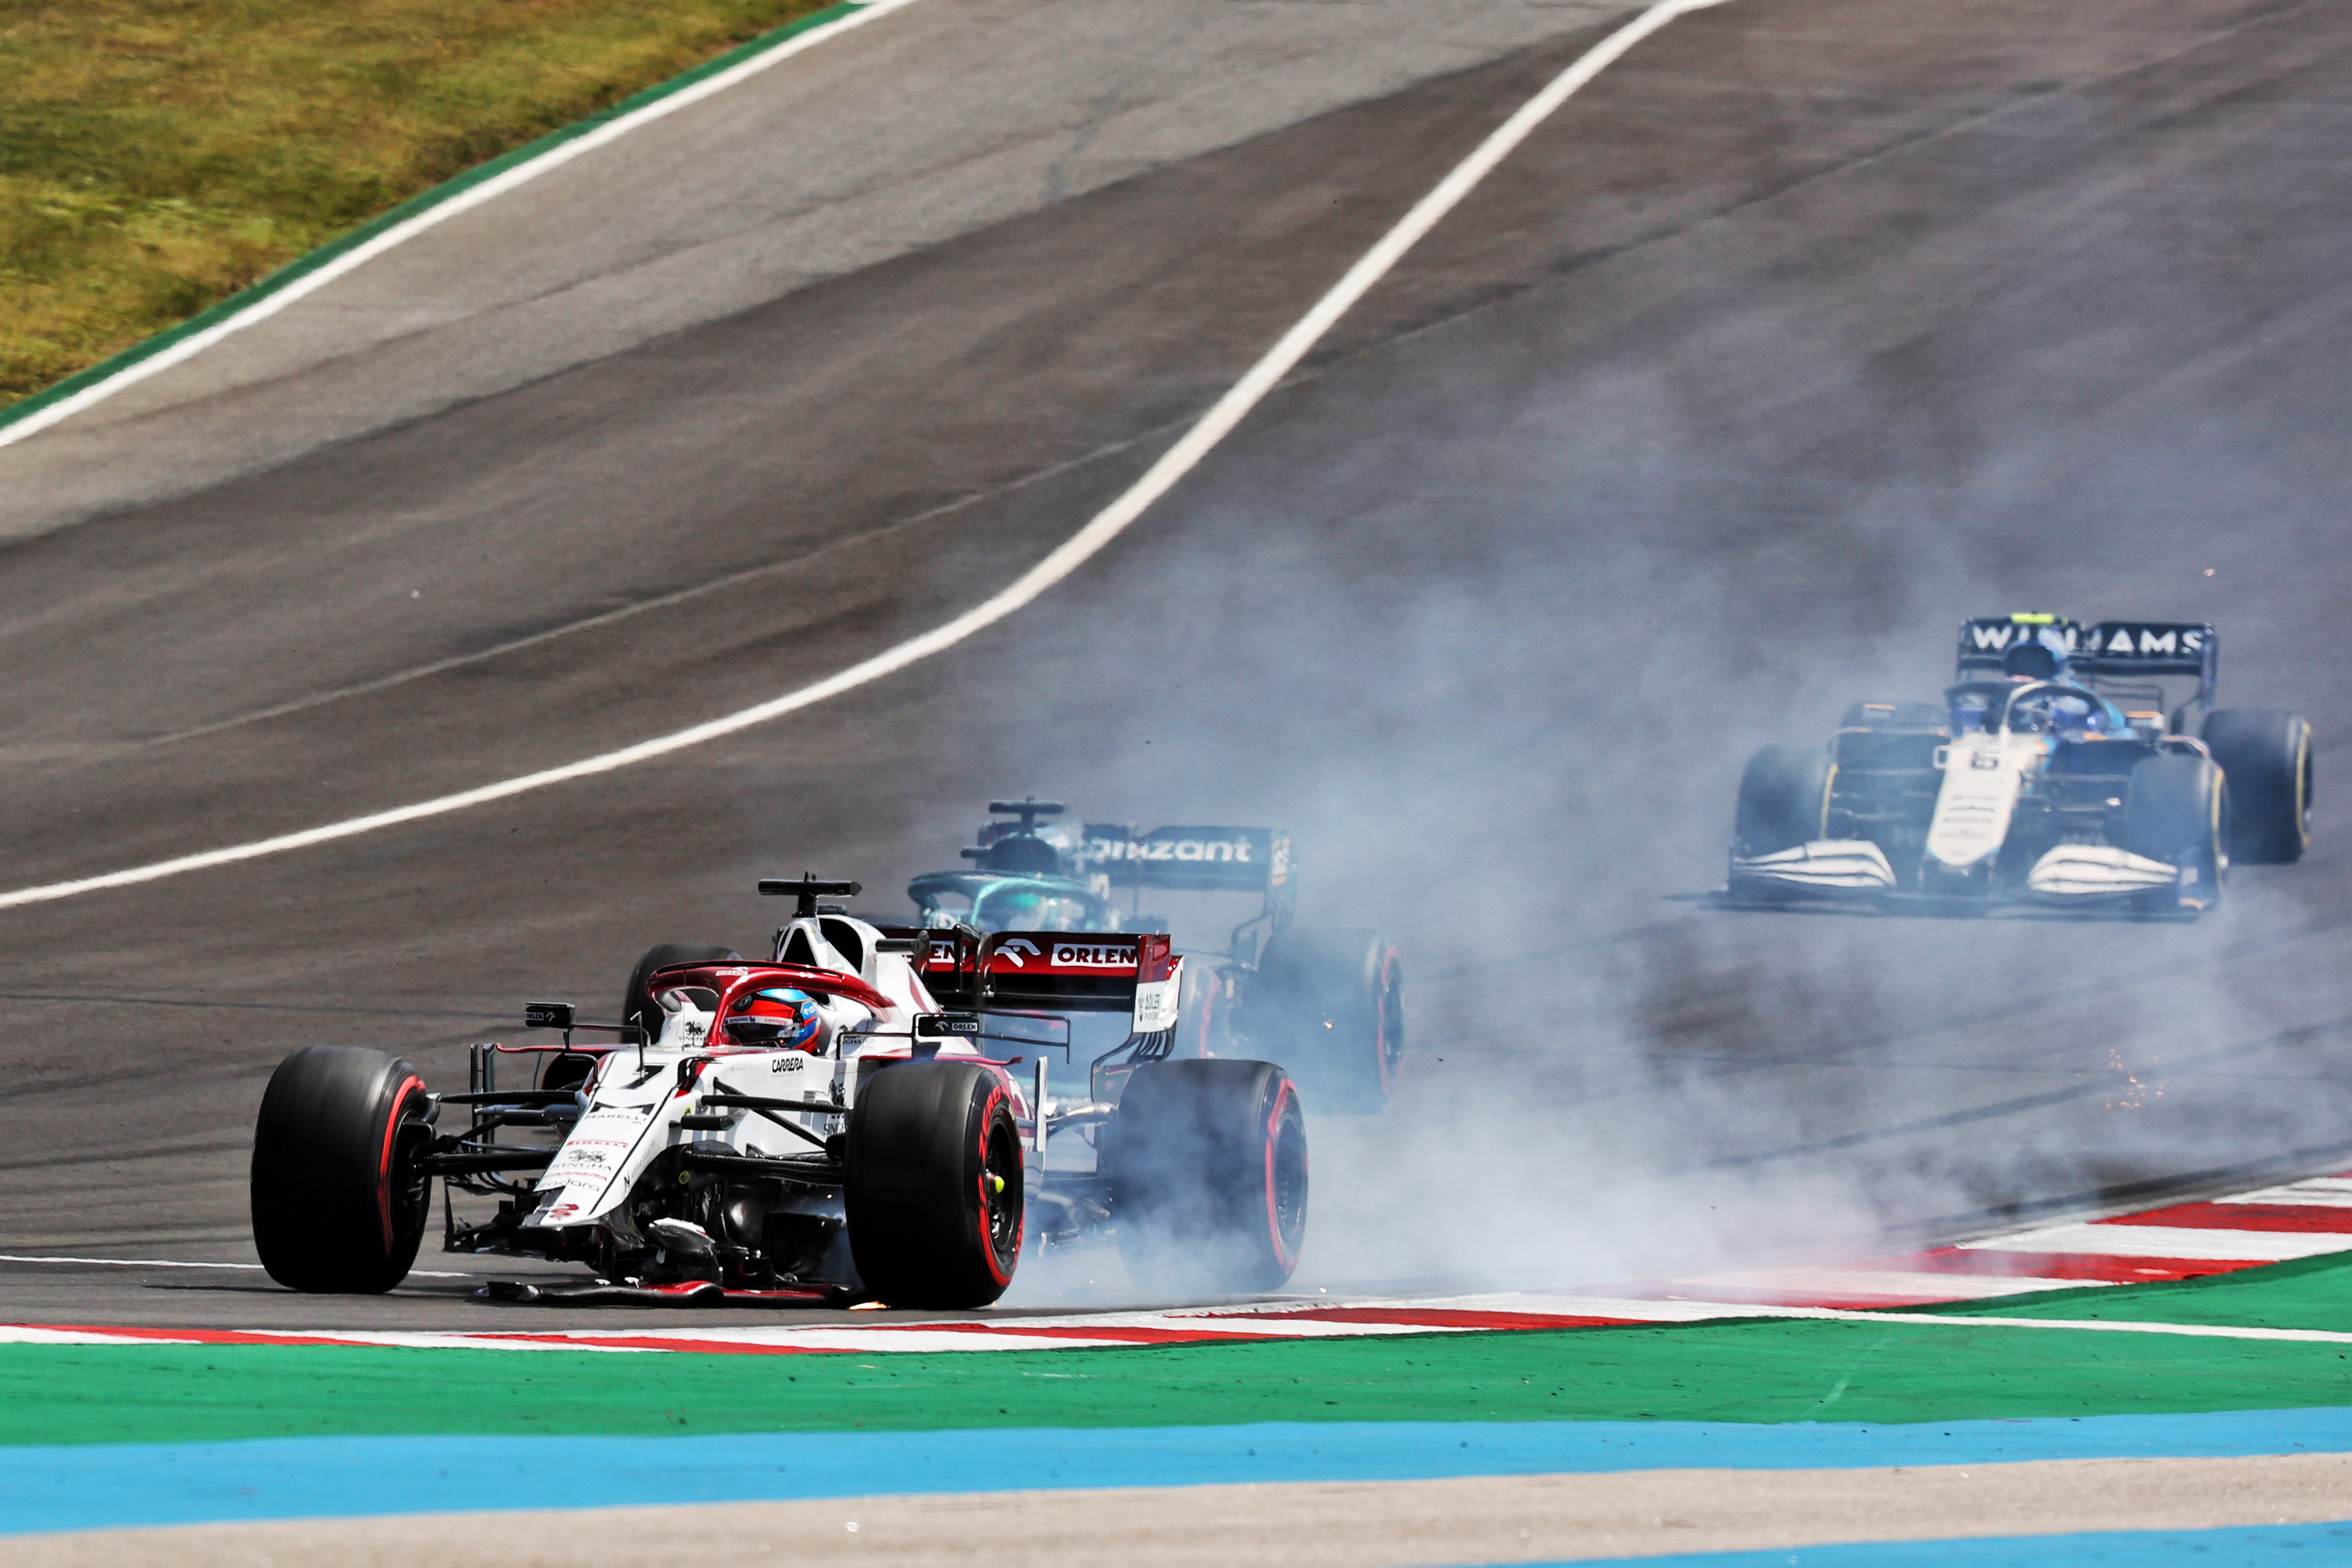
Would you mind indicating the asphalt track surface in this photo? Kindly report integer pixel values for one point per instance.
(1809, 329)
(909, 128)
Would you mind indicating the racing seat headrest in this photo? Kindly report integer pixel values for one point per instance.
(1023, 854)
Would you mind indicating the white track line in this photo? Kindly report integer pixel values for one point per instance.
(1107, 525)
(169, 1263)
(2109, 1240)
(261, 309)
(117, 1262)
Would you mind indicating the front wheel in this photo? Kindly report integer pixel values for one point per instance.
(2176, 808)
(1784, 802)
(932, 1188)
(339, 1203)
(1207, 1164)
(2265, 754)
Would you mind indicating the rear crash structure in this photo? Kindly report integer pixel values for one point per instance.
(870, 1146)
(2051, 772)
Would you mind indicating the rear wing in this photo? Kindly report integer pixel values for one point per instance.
(1196, 859)
(1055, 971)
(2113, 651)
(1984, 639)
(2151, 649)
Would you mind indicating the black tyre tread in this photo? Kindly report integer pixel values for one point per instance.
(1784, 794)
(319, 1193)
(2266, 755)
(1329, 1003)
(917, 1224)
(637, 999)
(2175, 806)
(1188, 1164)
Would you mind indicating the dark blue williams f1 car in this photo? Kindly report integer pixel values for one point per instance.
(2069, 765)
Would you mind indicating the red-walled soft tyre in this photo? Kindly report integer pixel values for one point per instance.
(1207, 1162)
(933, 1190)
(339, 1202)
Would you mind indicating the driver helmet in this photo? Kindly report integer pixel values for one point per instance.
(2034, 660)
(777, 1020)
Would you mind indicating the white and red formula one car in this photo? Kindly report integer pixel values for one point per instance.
(826, 1126)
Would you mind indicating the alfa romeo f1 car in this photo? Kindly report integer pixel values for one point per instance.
(826, 1125)
(2052, 772)
(1329, 1003)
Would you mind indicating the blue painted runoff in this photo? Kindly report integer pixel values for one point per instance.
(2252, 1546)
(99, 1486)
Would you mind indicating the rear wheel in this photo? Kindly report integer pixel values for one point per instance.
(1331, 1004)
(339, 1202)
(2265, 754)
(2176, 808)
(1207, 1164)
(933, 1185)
(637, 1004)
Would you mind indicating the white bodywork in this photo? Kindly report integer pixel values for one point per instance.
(1844, 865)
(1982, 778)
(638, 1096)
(635, 1097)
(2098, 870)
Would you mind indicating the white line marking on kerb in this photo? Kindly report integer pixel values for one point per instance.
(1073, 552)
(555, 157)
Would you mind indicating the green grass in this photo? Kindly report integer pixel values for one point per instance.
(158, 155)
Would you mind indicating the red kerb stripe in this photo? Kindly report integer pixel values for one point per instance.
(1432, 1318)
(2307, 1217)
(1994, 1263)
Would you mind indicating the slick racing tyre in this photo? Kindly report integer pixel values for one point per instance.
(933, 1185)
(2176, 808)
(1330, 1004)
(1784, 802)
(637, 1004)
(2265, 755)
(338, 1204)
(1207, 1167)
